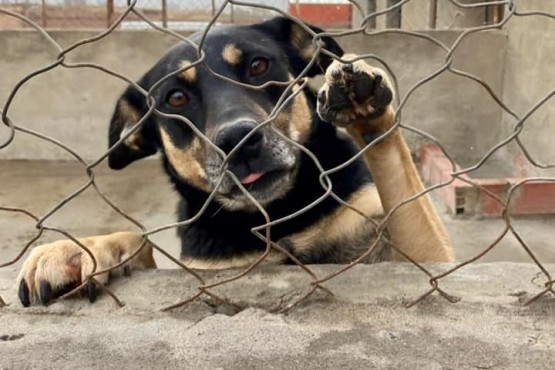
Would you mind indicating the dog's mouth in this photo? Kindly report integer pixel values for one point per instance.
(263, 183)
(264, 187)
(252, 178)
(266, 177)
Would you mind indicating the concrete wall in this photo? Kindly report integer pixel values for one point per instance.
(416, 14)
(74, 105)
(450, 16)
(530, 75)
(71, 105)
(368, 7)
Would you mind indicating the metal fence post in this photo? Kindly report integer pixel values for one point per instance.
(109, 12)
(432, 15)
(44, 14)
(164, 13)
(393, 17)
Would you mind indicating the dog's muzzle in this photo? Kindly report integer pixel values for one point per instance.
(262, 161)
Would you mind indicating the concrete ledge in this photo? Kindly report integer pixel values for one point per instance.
(366, 324)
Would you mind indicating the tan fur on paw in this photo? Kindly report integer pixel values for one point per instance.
(54, 269)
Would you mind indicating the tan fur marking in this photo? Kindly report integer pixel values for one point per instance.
(186, 161)
(190, 74)
(302, 41)
(232, 54)
(129, 116)
(236, 205)
(235, 262)
(415, 228)
(128, 112)
(343, 222)
(297, 121)
(307, 53)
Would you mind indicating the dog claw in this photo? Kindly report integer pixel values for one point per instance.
(23, 293)
(347, 68)
(92, 291)
(336, 74)
(322, 97)
(45, 292)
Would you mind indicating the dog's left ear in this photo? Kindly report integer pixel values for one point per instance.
(130, 108)
(298, 44)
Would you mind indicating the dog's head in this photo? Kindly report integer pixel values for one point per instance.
(226, 112)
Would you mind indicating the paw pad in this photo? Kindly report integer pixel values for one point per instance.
(353, 90)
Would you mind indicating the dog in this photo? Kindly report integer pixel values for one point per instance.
(231, 158)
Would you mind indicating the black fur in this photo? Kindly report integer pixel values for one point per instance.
(221, 233)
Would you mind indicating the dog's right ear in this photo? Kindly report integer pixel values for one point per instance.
(130, 108)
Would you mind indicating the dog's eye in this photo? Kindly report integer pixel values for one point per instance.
(177, 99)
(259, 66)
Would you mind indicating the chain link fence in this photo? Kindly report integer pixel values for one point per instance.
(504, 12)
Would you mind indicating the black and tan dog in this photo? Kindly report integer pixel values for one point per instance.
(280, 176)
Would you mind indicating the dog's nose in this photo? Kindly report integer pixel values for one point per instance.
(228, 137)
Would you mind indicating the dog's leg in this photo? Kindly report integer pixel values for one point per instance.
(56, 268)
(358, 97)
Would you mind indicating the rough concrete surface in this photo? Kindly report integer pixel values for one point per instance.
(366, 324)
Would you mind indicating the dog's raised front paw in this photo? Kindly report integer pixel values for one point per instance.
(353, 90)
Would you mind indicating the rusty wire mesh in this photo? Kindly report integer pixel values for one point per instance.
(264, 231)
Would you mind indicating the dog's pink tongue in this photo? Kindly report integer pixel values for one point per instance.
(251, 178)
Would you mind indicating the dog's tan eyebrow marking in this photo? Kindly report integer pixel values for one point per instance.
(190, 74)
(232, 54)
(302, 42)
(185, 161)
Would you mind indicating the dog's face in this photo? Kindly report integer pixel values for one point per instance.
(225, 111)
